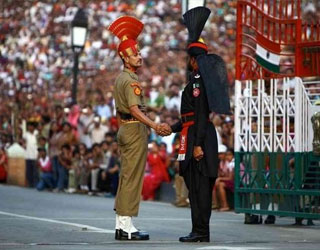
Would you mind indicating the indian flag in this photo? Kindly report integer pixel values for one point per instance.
(268, 54)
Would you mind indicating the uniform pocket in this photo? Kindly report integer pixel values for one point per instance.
(120, 135)
(128, 133)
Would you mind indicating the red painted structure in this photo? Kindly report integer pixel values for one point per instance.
(280, 22)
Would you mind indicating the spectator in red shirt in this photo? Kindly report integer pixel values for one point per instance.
(3, 165)
(46, 176)
(157, 172)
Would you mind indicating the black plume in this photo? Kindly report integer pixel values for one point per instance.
(214, 74)
(195, 20)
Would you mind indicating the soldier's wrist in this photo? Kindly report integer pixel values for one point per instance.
(154, 126)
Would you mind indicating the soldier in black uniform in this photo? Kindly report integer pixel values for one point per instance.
(206, 91)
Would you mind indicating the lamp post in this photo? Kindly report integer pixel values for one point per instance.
(79, 29)
(190, 4)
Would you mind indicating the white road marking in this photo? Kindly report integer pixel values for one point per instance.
(140, 219)
(233, 248)
(82, 226)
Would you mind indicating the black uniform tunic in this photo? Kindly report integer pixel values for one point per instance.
(199, 175)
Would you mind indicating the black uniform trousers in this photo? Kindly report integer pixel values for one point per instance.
(200, 196)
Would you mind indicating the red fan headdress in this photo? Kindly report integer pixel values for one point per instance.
(127, 29)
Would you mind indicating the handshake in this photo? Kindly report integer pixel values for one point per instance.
(163, 129)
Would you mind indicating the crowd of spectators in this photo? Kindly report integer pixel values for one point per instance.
(36, 63)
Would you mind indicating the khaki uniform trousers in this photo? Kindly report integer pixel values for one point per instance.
(132, 141)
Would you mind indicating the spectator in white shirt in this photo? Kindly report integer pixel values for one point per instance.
(103, 109)
(30, 137)
(97, 130)
(173, 102)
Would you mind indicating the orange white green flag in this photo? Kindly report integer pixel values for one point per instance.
(268, 53)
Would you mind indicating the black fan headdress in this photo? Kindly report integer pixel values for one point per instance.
(212, 68)
(195, 19)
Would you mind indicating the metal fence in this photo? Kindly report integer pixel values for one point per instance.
(276, 171)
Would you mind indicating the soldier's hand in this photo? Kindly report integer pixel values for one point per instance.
(163, 129)
(197, 153)
(166, 128)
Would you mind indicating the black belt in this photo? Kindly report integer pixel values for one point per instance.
(187, 118)
(125, 116)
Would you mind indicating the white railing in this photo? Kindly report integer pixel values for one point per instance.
(275, 115)
(312, 90)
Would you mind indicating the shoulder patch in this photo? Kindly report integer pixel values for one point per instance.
(196, 92)
(136, 88)
(137, 91)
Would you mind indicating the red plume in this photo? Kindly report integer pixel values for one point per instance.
(127, 26)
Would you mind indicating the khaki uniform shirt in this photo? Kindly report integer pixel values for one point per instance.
(128, 92)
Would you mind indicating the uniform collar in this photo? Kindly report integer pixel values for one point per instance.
(131, 73)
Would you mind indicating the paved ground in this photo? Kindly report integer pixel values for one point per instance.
(41, 220)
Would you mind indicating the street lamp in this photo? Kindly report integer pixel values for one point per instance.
(79, 29)
(190, 4)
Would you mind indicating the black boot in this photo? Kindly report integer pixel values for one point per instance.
(310, 222)
(252, 219)
(194, 237)
(139, 235)
(298, 222)
(271, 219)
(116, 235)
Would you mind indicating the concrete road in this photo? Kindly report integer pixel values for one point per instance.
(42, 220)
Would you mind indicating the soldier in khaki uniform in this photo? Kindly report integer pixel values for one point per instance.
(132, 134)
